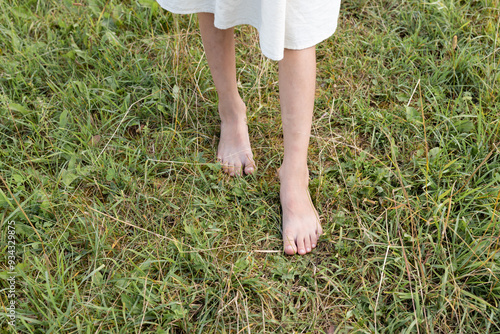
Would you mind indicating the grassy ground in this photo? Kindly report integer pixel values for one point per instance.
(124, 223)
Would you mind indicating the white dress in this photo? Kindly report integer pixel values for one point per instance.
(291, 24)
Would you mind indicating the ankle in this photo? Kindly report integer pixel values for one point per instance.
(294, 175)
(232, 109)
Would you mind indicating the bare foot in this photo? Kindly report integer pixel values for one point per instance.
(301, 224)
(234, 151)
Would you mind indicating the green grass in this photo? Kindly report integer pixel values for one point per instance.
(125, 224)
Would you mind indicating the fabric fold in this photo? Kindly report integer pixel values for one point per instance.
(282, 24)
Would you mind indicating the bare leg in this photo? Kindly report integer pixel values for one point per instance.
(234, 151)
(297, 82)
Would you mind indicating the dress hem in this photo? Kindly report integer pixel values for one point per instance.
(240, 21)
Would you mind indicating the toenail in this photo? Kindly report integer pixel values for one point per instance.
(313, 245)
(308, 249)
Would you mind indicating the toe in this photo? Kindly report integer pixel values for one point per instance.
(289, 245)
(225, 167)
(319, 231)
(301, 247)
(307, 244)
(314, 241)
(249, 169)
(230, 169)
(249, 165)
(237, 169)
